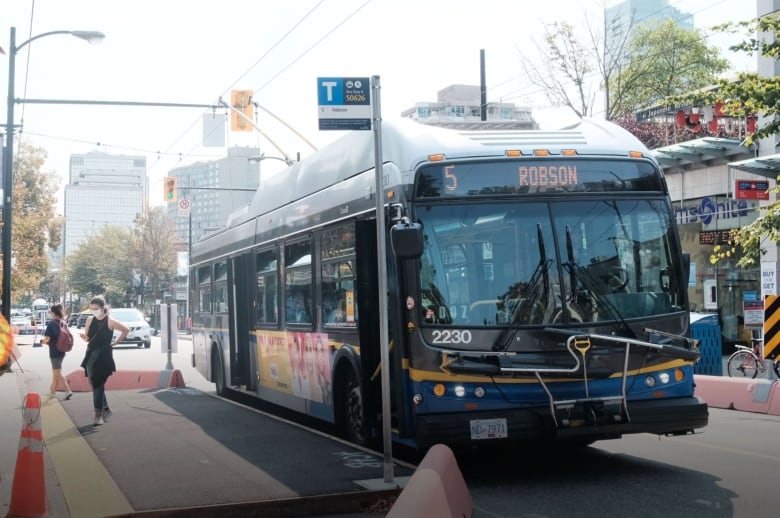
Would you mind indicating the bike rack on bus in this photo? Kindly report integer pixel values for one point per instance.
(578, 346)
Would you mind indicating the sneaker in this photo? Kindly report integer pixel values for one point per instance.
(68, 396)
(51, 395)
(107, 413)
(98, 418)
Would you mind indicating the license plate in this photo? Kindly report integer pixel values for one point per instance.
(488, 429)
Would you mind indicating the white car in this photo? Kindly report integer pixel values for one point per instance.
(140, 333)
(21, 325)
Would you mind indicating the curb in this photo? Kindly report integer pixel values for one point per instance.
(330, 504)
(129, 379)
(748, 395)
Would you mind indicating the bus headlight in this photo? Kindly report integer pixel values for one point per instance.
(664, 377)
(650, 381)
(479, 392)
(460, 390)
(417, 399)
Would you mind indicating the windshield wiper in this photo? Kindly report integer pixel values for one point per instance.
(539, 279)
(577, 272)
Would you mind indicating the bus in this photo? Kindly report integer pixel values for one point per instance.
(536, 289)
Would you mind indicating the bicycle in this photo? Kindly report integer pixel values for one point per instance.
(749, 361)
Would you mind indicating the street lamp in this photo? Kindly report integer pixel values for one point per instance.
(93, 37)
(259, 158)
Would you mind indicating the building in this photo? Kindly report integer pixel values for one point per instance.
(717, 184)
(459, 106)
(214, 189)
(633, 12)
(103, 190)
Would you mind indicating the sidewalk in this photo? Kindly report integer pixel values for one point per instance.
(14, 386)
(157, 438)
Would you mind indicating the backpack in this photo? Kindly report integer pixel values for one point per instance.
(65, 339)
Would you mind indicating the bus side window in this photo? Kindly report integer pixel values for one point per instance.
(337, 276)
(267, 287)
(298, 275)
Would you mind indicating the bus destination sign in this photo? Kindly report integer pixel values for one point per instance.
(537, 176)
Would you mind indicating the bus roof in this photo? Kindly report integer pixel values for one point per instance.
(407, 144)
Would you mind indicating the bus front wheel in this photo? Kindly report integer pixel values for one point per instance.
(353, 412)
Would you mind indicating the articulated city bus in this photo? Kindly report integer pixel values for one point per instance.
(537, 289)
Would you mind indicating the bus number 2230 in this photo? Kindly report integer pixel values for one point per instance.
(452, 336)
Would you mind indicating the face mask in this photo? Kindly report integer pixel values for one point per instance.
(97, 312)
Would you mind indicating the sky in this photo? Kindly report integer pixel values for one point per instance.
(197, 51)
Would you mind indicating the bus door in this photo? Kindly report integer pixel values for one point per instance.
(368, 307)
(240, 308)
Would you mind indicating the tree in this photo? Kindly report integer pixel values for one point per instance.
(103, 265)
(155, 249)
(107, 262)
(665, 60)
(35, 228)
(563, 69)
(637, 66)
(750, 94)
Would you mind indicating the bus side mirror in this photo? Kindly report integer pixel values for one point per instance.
(407, 240)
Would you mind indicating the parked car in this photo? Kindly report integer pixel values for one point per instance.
(82, 320)
(140, 333)
(21, 325)
(73, 319)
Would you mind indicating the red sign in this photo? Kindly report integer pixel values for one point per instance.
(752, 190)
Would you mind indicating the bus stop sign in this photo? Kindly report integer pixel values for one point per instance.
(344, 103)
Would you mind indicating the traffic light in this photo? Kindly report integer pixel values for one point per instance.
(170, 188)
(241, 100)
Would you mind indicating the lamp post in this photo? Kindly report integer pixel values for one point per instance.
(259, 158)
(8, 157)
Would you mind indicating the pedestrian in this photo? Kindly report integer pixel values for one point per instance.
(50, 336)
(98, 362)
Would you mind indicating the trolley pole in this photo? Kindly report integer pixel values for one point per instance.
(381, 252)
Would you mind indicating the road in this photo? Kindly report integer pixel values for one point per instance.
(730, 469)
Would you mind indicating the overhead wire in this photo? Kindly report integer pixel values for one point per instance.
(284, 69)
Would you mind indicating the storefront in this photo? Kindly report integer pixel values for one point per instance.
(716, 185)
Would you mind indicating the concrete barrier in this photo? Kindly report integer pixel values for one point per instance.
(749, 395)
(435, 490)
(129, 379)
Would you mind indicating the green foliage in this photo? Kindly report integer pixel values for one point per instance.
(33, 218)
(663, 60)
(102, 265)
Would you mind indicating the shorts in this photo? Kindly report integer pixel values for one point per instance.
(56, 363)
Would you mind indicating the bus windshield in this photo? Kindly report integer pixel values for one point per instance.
(552, 262)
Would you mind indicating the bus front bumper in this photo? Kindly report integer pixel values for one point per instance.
(676, 416)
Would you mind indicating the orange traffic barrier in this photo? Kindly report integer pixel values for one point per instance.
(436, 490)
(28, 493)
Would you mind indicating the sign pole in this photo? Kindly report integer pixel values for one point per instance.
(382, 288)
(347, 104)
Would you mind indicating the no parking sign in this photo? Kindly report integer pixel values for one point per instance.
(184, 207)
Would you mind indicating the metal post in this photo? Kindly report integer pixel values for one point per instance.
(169, 365)
(8, 179)
(382, 288)
(188, 314)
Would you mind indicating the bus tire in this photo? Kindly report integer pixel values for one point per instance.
(352, 411)
(217, 372)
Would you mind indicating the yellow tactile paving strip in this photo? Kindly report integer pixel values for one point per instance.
(87, 486)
